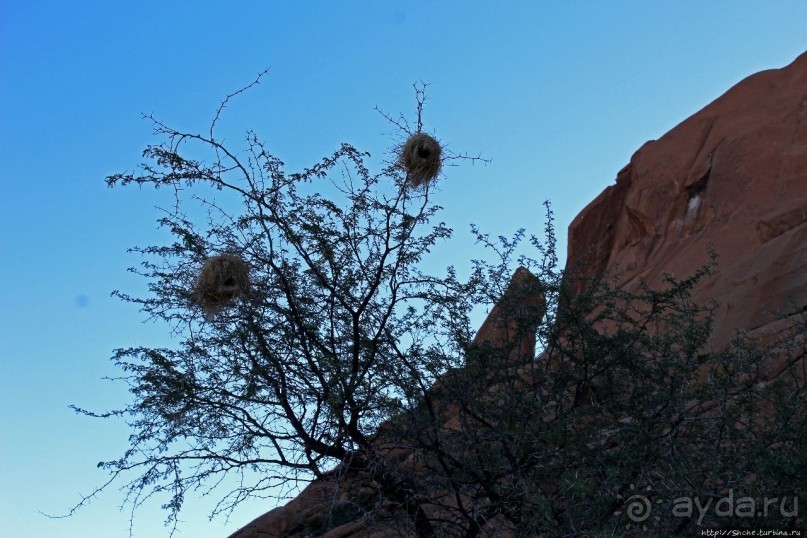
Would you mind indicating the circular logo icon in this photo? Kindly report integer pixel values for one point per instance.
(638, 508)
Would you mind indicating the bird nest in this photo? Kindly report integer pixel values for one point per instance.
(223, 279)
(420, 157)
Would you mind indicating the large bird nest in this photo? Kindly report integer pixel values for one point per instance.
(420, 157)
(223, 279)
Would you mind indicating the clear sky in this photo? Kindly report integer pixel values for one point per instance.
(557, 94)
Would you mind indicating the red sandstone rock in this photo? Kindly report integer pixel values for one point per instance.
(733, 177)
(515, 331)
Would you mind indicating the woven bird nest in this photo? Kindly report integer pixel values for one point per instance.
(420, 157)
(223, 279)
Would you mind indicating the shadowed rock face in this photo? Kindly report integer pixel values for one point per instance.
(733, 178)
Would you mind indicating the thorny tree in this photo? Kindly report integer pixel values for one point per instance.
(337, 332)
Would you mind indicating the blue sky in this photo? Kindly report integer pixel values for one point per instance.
(557, 94)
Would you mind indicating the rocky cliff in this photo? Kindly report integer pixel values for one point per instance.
(730, 179)
(733, 177)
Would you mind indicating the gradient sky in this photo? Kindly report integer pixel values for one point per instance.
(557, 94)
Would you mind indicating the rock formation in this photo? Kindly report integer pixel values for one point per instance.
(512, 322)
(733, 179)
